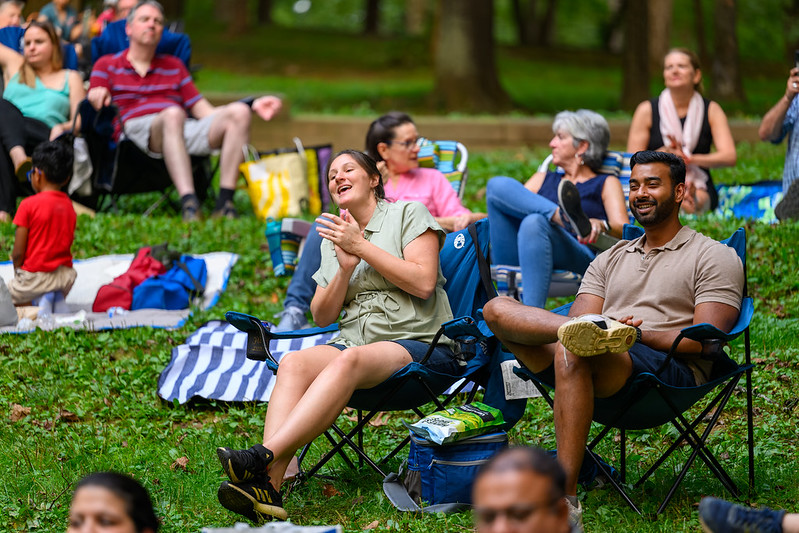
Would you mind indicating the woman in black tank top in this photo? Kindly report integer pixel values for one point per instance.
(683, 80)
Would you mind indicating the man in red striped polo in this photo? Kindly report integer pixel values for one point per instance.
(165, 115)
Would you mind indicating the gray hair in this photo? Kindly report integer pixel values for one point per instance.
(589, 126)
(153, 3)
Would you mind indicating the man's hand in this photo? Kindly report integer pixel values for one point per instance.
(99, 97)
(267, 106)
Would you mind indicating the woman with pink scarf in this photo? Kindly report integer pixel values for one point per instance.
(684, 123)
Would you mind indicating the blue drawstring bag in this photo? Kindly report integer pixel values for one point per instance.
(174, 289)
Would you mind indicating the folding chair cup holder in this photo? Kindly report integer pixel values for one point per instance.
(649, 403)
(414, 386)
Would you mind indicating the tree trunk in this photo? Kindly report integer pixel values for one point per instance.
(264, 16)
(635, 74)
(525, 20)
(173, 9)
(701, 38)
(659, 18)
(546, 25)
(726, 65)
(238, 17)
(372, 19)
(463, 49)
(415, 15)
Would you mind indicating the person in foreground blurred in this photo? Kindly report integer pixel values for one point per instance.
(682, 122)
(521, 490)
(551, 221)
(392, 142)
(380, 265)
(107, 502)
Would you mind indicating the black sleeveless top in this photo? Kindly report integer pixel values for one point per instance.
(702, 146)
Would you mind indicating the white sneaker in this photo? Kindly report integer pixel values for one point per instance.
(575, 515)
(590, 335)
(291, 318)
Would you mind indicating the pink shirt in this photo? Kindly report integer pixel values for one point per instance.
(430, 187)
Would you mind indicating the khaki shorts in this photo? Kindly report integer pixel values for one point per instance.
(27, 286)
(195, 134)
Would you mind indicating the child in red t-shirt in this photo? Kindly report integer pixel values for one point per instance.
(45, 230)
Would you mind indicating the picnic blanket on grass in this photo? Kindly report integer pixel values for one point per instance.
(98, 271)
(213, 364)
(755, 201)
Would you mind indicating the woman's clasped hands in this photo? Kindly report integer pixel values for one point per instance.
(345, 234)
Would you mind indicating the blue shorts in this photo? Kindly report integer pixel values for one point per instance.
(442, 360)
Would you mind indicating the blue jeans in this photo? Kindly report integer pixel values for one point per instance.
(302, 286)
(523, 234)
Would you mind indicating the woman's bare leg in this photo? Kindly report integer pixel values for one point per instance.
(355, 368)
(297, 371)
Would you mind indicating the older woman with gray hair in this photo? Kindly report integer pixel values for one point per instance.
(530, 230)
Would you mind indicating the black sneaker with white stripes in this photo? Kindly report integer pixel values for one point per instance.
(258, 501)
(245, 465)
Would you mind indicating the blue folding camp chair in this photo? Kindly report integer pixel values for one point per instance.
(651, 403)
(410, 388)
(114, 39)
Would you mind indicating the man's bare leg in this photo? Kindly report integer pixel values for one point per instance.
(166, 138)
(229, 132)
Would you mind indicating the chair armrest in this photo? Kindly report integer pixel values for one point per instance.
(705, 333)
(700, 332)
(259, 335)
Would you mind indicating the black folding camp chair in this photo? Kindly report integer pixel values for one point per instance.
(650, 403)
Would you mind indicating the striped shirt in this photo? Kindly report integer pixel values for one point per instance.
(166, 83)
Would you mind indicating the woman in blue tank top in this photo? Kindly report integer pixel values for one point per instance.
(39, 102)
(526, 224)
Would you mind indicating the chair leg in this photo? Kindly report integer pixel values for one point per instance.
(616, 485)
(750, 417)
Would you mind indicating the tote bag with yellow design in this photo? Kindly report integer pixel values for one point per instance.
(277, 183)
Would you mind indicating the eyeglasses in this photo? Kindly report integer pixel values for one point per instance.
(29, 174)
(407, 145)
(515, 513)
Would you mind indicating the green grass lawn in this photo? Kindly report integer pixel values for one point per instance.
(92, 401)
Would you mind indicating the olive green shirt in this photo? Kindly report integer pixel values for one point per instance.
(374, 308)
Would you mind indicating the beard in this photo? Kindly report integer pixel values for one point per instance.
(659, 212)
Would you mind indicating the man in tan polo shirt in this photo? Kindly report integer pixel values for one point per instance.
(637, 296)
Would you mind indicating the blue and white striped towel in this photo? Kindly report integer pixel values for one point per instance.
(212, 364)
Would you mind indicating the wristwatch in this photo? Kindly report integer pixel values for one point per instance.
(637, 334)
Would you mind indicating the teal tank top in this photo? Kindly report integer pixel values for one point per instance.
(51, 106)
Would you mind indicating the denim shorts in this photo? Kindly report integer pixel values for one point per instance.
(442, 360)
